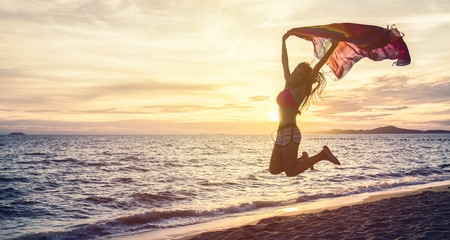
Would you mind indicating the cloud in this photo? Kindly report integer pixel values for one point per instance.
(194, 108)
(147, 87)
(39, 93)
(406, 90)
(445, 110)
(259, 98)
(82, 12)
(395, 100)
(443, 123)
(338, 106)
(207, 60)
(14, 73)
(387, 93)
(134, 126)
(357, 118)
(397, 108)
(143, 110)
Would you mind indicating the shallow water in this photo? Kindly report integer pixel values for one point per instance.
(85, 187)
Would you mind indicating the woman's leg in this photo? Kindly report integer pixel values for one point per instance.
(290, 153)
(293, 167)
(276, 160)
(305, 155)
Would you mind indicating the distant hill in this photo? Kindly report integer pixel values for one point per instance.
(380, 130)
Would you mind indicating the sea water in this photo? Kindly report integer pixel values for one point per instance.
(97, 187)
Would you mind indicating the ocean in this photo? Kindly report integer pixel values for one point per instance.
(98, 187)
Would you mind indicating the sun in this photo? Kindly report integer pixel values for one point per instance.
(273, 115)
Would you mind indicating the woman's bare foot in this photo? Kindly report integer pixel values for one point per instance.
(304, 155)
(330, 156)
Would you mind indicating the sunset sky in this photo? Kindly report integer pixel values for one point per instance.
(208, 67)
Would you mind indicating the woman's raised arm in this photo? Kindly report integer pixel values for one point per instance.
(284, 59)
(324, 59)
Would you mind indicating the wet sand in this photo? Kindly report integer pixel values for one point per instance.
(420, 214)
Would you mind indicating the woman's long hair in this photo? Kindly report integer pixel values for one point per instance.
(314, 85)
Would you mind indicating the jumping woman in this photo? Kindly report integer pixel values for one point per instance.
(302, 86)
(349, 43)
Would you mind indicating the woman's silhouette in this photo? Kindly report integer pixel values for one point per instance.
(301, 87)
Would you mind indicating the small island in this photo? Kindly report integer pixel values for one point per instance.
(17, 134)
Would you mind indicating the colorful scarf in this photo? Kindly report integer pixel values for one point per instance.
(356, 41)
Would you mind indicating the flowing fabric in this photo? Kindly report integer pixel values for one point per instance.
(356, 41)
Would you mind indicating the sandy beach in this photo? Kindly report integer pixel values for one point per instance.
(414, 212)
(421, 214)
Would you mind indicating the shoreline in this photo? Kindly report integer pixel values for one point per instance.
(220, 228)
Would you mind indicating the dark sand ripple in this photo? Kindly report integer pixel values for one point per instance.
(421, 216)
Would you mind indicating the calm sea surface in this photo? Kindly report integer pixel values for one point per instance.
(95, 187)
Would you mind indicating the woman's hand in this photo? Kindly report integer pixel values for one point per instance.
(334, 42)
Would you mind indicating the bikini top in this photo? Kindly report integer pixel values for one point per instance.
(286, 99)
